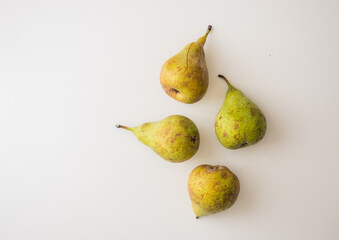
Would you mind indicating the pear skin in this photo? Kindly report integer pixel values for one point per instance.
(239, 122)
(212, 189)
(175, 138)
(184, 76)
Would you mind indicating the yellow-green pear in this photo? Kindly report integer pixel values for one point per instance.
(212, 189)
(239, 122)
(175, 138)
(184, 76)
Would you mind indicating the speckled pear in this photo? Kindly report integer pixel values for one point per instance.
(184, 76)
(175, 138)
(212, 189)
(239, 122)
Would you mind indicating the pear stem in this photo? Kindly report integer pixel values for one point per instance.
(124, 127)
(223, 77)
(202, 40)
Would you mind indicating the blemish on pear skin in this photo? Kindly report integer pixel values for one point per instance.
(190, 190)
(210, 169)
(193, 139)
(258, 139)
(168, 91)
(167, 131)
(182, 122)
(216, 184)
(224, 175)
(195, 201)
(143, 126)
(196, 99)
(186, 83)
(225, 134)
(253, 111)
(220, 117)
(236, 126)
(175, 91)
(216, 124)
(172, 60)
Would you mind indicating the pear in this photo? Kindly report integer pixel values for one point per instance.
(184, 76)
(212, 189)
(175, 138)
(239, 122)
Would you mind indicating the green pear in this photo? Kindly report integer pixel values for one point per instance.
(212, 189)
(239, 122)
(184, 76)
(175, 138)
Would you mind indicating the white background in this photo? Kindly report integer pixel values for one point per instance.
(70, 70)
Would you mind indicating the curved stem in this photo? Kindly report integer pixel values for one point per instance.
(223, 77)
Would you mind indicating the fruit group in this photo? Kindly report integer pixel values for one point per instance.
(175, 138)
(239, 122)
(212, 189)
(184, 76)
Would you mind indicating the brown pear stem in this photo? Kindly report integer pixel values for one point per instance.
(223, 77)
(124, 127)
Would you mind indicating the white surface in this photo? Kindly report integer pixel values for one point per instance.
(71, 70)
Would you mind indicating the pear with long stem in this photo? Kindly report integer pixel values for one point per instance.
(184, 76)
(239, 122)
(175, 138)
